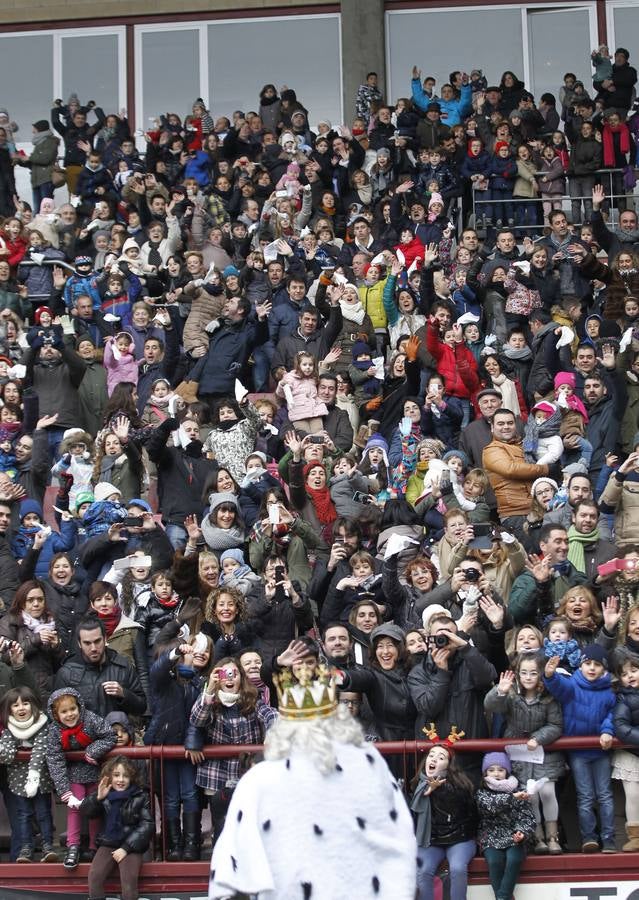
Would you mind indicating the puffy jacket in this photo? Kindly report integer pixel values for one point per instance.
(625, 717)
(621, 496)
(138, 824)
(305, 403)
(373, 302)
(389, 698)
(457, 365)
(585, 157)
(510, 476)
(532, 601)
(88, 679)
(587, 705)
(453, 111)
(503, 173)
(229, 349)
(60, 542)
(204, 308)
(42, 659)
(67, 604)
(277, 623)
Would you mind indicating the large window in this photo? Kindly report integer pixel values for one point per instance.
(167, 71)
(26, 93)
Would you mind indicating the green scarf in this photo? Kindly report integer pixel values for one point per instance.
(576, 541)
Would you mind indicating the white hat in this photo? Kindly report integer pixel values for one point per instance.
(103, 490)
(435, 609)
(70, 431)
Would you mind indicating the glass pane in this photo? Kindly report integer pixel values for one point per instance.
(90, 69)
(626, 21)
(174, 90)
(302, 53)
(26, 67)
(559, 42)
(439, 42)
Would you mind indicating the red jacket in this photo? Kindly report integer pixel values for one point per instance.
(412, 250)
(17, 250)
(457, 367)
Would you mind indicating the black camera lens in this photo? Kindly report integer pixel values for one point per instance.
(441, 640)
(471, 574)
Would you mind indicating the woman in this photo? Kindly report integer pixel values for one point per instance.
(30, 623)
(385, 685)
(493, 374)
(11, 392)
(621, 278)
(310, 494)
(221, 481)
(229, 711)
(278, 609)
(401, 306)
(355, 321)
(398, 517)
(123, 634)
(410, 595)
(122, 403)
(363, 619)
(118, 460)
(543, 491)
(226, 622)
(361, 189)
(329, 208)
(223, 527)
(511, 90)
(580, 606)
(502, 562)
(232, 437)
(65, 598)
(290, 537)
(13, 297)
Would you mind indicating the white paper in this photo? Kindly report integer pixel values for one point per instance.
(17, 371)
(400, 256)
(270, 252)
(338, 278)
(396, 543)
(240, 390)
(521, 753)
(274, 514)
(378, 260)
(378, 362)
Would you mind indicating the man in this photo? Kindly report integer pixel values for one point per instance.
(536, 593)
(626, 238)
(336, 422)
(557, 244)
(76, 134)
(586, 548)
(159, 361)
(431, 131)
(32, 459)
(547, 359)
(106, 681)
(337, 644)
(579, 488)
(346, 541)
(617, 92)
(453, 110)
(311, 336)
(9, 568)
(92, 394)
(384, 129)
(90, 322)
(363, 242)
(604, 422)
(511, 477)
(284, 319)
(505, 248)
(476, 436)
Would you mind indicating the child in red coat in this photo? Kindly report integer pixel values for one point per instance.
(455, 363)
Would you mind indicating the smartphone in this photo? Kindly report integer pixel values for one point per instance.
(281, 194)
(133, 521)
(280, 573)
(361, 497)
(316, 439)
(274, 514)
(608, 568)
(482, 529)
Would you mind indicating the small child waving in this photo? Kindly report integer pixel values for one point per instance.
(120, 361)
(75, 728)
(299, 388)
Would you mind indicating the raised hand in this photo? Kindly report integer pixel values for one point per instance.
(551, 666)
(121, 429)
(598, 196)
(506, 681)
(539, 567)
(611, 614)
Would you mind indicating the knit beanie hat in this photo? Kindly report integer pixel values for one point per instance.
(360, 348)
(456, 453)
(30, 506)
(545, 406)
(496, 759)
(314, 464)
(38, 313)
(543, 480)
(235, 553)
(595, 652)
(500, 144)
(82, 498)
(230, 270)
(376, 440)
(568, 378)
(435, 198)
(218, 499)
(104, 489)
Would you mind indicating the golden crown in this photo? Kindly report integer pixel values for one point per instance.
(310, 695)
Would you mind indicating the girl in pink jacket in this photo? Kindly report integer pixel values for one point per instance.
(120, 361)
(299, 389)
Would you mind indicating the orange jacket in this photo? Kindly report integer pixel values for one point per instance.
(510, 476)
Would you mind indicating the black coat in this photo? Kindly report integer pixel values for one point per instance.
(68, 605)
(626, 718)
(136, 818)
(88, 680)
(389, 698)
(171, 702)
(277, 623)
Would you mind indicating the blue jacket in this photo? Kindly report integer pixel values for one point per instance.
(78, 286)
(626, 716)
(229, 349)
(61, 542)
(503, 173)
(453, 111)
(171, 701)
(285, 318)
(445, 426)
(198, 167)
(475, 165)
(586, 705)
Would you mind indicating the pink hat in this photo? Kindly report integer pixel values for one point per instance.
(435, 198)
(568, 378)
(545, 406)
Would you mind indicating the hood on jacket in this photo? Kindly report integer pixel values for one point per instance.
(65, 692)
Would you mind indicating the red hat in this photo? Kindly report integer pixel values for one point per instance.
(500, 144)
(313, 465)
(39, 311)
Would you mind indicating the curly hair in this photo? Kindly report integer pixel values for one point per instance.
(133, 772)
(214, 596)
(315, 739)
(421, 562)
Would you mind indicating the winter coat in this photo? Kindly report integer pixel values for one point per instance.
(532, 601)
(453, 815)
(621, 496)
(318, 343)
(42, 160)
(541, 720)
(456, 366)
(453, 110)
(277, 622)
(88, 679)
(510, 477)
(204, 308)
(17, 772)
(128, 641)
(38, 278)
(118, 370)
(454, 696)
(138, 824)
(502, 173)
(526, 183)
(68, 604)
(57, 542)
(389, 698)
(372, 301)
(619, 286)
(229, 349)
(232, 445)
(554, 172)
(126, 472)
(342, 488)
(587, 706)
(500, 816)
(56, 385)
(304, 404)
(103, 739)
(585, 157)
(171, 700)
(43, 659)
(625, 718)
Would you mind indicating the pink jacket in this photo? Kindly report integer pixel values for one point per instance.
(118, 370)
(305, 404)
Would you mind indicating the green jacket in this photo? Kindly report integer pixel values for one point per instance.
(531, 601)
(42, 160)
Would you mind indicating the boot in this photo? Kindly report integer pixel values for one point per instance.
(192, 832)
(632, 830)
(72, 858)
(552, 838)
(173, 840)
(541, 847)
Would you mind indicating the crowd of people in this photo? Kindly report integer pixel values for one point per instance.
(277, 394)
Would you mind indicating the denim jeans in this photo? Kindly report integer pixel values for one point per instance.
(179, 788)
(177, 535)
(503, 869)
(458, 856)
(592, 781)
(39, 194)
(262, 357)
(26, 807)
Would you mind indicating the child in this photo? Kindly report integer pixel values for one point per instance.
(626, 720)
(531, 713)
(455, 363)
(362, 584)
(502, 171)
(603, 65)
(258, 481)
(75, 463)
(552, 184)
(362, 375)
(56, 542)
(558, 641)
(73, 727)
(25, 727)
(120, 361)
(574, 419)
(506, 823)
(234, 572)
(8, 433)
(446, 820)
(299, 388)
(375, 466)
(587, 702)
(156, 409)
(542, 444)
(344, 482)
(128, 826)
(157, 608)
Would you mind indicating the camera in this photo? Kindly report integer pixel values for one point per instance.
(316, 439)
(225, 674)
(438, 640)
(362, 497)
(471, 574)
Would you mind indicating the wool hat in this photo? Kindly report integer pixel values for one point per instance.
(217, 499)
(82, 261)
(383, 151)
(543, 480)
(435, 609)
(500, 144)
(545, 406)
(41, 125)
(257, 453)
(230, 270)
(496, 759)
(568, 378)
(130, 244)
(435, 197)
(137, 501)
(313, 464)
(30, 506)
(394, 632)
(459, 453)
(82, 498)
(433, 444)
(576, 468)
(234, 553)
(105, 489)
(6, 360)
(38, 313)
(71, 431)
(376, 440)
(595, 652)
(360, 348)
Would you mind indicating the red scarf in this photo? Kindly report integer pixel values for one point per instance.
(170, 603)
(608, 143)
(321, 500)
(78, 733)
(111, 620)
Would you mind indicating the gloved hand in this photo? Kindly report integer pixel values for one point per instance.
(373, 404)
(412, 348)
(32, 783)
(74, 803)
